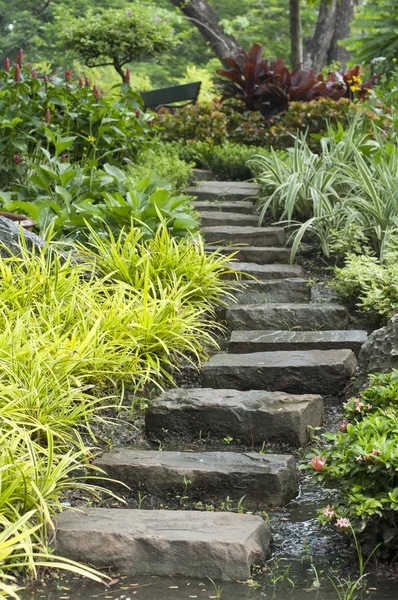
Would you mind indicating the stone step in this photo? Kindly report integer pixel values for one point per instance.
(202, 175)
(251, 270)
(261, 256)
(256, 237)
(299, 372)
(236, 206)
(253, 417)
(215, 219)
(304, 316)
(229, 190)
(263, 479)
(220, 545)
(243, 342)
(274, 290)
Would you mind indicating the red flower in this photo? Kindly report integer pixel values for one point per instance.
(34, 73)
(17, 159)
(17, 72)
(81, 81)
(46, 79)
(87, 82)
(127, 77)
(96, 91)
(318, 463)
(8, 65)
(63, 157)
(68, 75)
(48, 115)
(20, 57)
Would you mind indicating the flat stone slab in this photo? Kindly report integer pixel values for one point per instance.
(252, 236)
(299, 372)
(304, 316)
(234, 206)
(274, 290)
(162, 542)
(261, 256)
(270, 341)
(202, 175)
(266, 272)
(217, 218)
(253, 417)
(263, 479)
(229, 190)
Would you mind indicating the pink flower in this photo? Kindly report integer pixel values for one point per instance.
(370, 406)
(329, 512)
(34, 73)
(96, 91)
(87, 82)
(63, 157)
(17, 73)
(376, 451)
(81, 81)
(48, 115)
(46, 79)
(68, 75)
(127, 77)
(20, 57)
(158, 19)
(358, 405)
(7, 65)
(17, 159)
(318, 463)
(342, 425)
(342, 523)
(359, 458)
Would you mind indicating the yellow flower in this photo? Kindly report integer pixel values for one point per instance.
(355, 88)
(91, 138)
(159, 189)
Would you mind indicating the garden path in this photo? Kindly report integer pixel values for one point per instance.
(286, 354)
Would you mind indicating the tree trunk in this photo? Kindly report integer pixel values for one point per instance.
(344, 17)
(317, 47)
(296, 38)
(206, 20)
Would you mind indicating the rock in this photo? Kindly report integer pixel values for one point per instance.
(229, 190)
(253, 416)
(256, 237)
(10, 238)
(270, 341)
(266, 272)
(214, 219)
(263, 479)
(220, 545)
(261, 256)
(274, 290)
(304, 316)
(300, 372)
(235, 206)
(379, 354)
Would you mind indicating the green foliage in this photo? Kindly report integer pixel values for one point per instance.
(117, 37)
(361, 462)
(195, 122)
(372, 286)
(164, 162)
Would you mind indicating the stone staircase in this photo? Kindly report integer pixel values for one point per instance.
(285, 352)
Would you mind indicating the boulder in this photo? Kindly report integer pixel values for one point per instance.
(379, 354)
(10, 238)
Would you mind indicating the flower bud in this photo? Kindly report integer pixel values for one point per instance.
(63, 158)
(48, 115)
(17, 159)
(68, 75)
(96, 91)
(7, 65)
(46, 79)
(87, 82)
(81, 81)
(20, 57)
(17, 73)
(34, 73)
(138, 113)
(127, 77)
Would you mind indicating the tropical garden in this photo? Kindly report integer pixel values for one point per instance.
(120, 295)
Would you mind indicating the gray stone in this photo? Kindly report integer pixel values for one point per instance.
(275, 290)
(10, 238)
(202, 175)
(220, 545)
(253, 417)
(206, 190)
(270, 341)
(266, 272)
(300, 372)
(380, 353)
(263, 479)
(287, 316)
(252, 236)
(214, 219)
(235, 206)
(261, 256)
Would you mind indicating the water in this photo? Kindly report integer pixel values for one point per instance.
(303, 552)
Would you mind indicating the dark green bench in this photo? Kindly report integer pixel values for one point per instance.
(166, 97)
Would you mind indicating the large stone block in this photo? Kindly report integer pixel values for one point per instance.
(215, 219)
(274, 290)
(256, 237)
(234, 206)
(263, 479)
(305, 371)
(253, 416)
(266, 272)
(161, 542)
(244, 341)
(228, 190)
(261, 256)
(380, 352)
(304, 316)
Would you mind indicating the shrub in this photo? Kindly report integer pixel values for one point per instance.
(195, 122)
(361, 464)
(117, 37)
(165, 163)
